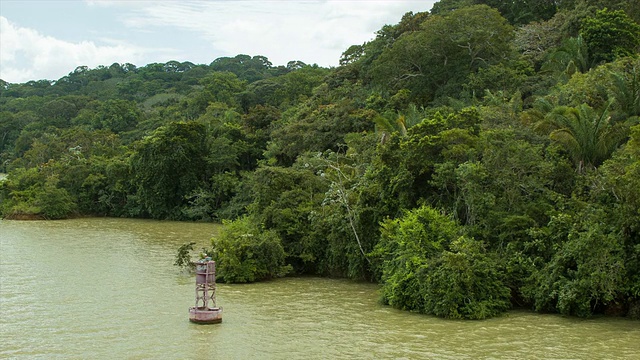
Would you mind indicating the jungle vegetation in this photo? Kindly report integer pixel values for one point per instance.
(481, 156)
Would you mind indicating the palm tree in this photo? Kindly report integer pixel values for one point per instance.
(390, 122)
(625, 90)
(569, 58)
(587, 135)
(536, 114)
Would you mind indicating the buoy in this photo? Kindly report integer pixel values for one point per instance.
(206, 310)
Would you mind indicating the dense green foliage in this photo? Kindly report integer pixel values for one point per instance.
(480, 156)
(428, 267)
(246, 253)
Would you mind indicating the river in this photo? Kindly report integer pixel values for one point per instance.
(107, 289)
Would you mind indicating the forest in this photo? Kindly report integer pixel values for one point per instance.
(481, 156)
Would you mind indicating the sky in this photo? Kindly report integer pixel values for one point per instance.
(49, 39)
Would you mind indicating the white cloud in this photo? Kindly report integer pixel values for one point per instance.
(117, 3)
(311, 31)
(25, 54)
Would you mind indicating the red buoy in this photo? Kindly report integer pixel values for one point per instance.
(206, 310)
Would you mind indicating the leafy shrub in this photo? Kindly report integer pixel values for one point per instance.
(244, 253)
(405, 249)
(586, 271)
(54, 202)
(424, 269)
(22, 199)
(183, 257)
(465, 283)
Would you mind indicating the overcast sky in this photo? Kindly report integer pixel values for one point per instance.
(49, 39)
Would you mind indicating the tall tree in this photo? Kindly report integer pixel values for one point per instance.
(610, 34)
(437, 59)
(169, 165)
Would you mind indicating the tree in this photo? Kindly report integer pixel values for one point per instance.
(465, 282)
(587, 135)
(224, 87)
(34, 194)
(405, 248)
(58, 112)
(167, 166)
(625, 90)
(518, 12)
(437, 59)
(318, 124)
(586, 271)
(610, 34)
(245, 253)
(617, 192)
(342, 187)
(9, 129)
(443, 6)
(244, 67)
(571, 57)
(117, 116)
(427, 267)
(535, 39)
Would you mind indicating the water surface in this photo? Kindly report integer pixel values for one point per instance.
(106, 288)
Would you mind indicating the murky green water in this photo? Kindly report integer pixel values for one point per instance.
(106, 289)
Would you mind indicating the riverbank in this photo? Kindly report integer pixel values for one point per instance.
(23, 217)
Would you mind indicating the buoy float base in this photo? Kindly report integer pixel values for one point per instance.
(204, 315)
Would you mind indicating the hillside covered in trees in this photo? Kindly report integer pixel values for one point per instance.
(480, 156)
